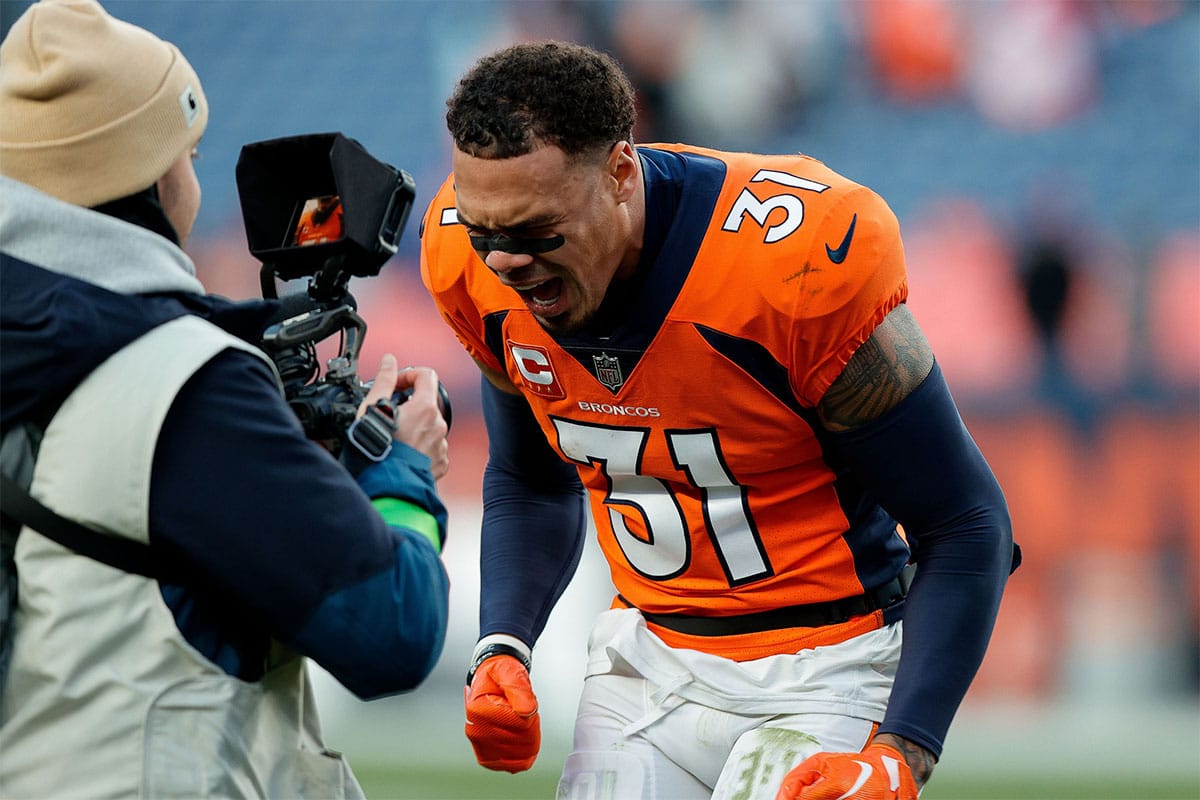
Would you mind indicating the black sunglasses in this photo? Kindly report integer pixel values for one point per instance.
(515, 245)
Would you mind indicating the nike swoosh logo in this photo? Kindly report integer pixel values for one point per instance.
(892, 767)
(839, 255)
(864, 769)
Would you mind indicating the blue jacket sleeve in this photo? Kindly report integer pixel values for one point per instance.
(405, 475)
(282, 542)
(533, 521)
(922, 466)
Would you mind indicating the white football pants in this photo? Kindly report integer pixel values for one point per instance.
(638, 739)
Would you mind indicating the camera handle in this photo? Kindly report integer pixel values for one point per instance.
(315, 326)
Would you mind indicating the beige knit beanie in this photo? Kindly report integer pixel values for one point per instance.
(92, 108)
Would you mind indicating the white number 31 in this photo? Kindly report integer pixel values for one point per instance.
(749, 204)
(666, 551)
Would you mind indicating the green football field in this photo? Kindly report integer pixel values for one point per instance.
(412, 748)
(382, 783)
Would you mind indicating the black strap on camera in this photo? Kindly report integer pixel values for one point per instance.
(371, 434)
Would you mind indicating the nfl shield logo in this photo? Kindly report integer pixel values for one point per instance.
(608, 370)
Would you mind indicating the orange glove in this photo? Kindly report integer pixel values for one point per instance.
(502, 715)
(877, 773)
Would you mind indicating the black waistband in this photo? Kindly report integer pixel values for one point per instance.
(808, 615)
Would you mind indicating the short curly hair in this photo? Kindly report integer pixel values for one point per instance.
(515, 99)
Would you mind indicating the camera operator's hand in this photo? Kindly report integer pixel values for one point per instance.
(419, 421)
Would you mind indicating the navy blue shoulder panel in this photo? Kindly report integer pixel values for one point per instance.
(681, 193)
(756, 361)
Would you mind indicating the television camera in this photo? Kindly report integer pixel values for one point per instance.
(320, 207)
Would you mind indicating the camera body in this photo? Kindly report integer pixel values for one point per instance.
(320, 207)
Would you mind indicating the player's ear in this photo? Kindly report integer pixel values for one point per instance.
(622, 167)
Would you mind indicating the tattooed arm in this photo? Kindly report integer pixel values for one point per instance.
(893, 422)
(883, 371)
(920, 761)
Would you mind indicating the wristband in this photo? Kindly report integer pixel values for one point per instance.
(496, 649)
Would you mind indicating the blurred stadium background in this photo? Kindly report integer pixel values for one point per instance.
(1044, 159)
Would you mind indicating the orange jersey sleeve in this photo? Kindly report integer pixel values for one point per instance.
(822, 253)
(463, 289)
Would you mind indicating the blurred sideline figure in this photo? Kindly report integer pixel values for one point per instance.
(136, 406)
(716, 348)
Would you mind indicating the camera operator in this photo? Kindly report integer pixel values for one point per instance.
(143, 409)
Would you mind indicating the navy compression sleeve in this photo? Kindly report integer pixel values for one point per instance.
(533, 521)
(921, 465)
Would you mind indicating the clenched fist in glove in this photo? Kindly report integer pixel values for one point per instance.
(502, 712)
(877, 773)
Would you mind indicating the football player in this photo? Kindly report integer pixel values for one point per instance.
(715, 348)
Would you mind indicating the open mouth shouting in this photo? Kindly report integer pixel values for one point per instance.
(544, 299)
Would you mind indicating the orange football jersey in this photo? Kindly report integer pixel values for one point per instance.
(692, 425)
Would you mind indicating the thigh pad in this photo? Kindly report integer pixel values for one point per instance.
(603, 775)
